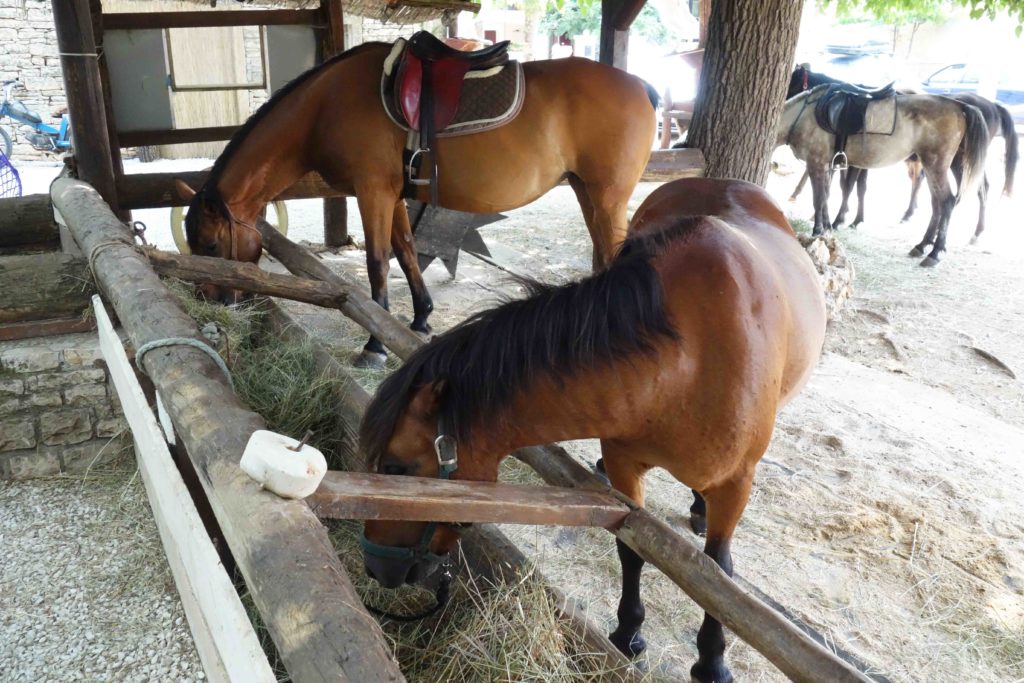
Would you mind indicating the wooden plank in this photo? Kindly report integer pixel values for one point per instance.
(304, 596)
(670, 164)
(178, 136)
(224, 637)
(355, 495)
(247, 277)
(45, 328)
(124, 21)
(27, 221)
(43, 286)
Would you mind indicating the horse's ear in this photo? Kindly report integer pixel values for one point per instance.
(184, 191)
(427, 399)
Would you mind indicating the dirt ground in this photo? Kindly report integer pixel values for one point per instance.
(886, 513)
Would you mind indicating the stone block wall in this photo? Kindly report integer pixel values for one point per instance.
(28, 50)
(58, 409)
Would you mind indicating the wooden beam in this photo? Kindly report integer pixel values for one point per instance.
(247, 277)
(306, 600)
(44, 286)
(26, 221)
(125, 21)
(354, 495)
(45, 328)
(177, 136)
(224, 636)
(84, 89)
(155, 190)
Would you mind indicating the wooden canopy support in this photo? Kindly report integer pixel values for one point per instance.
(333, 42)
(352, 495)
(616, 18)
(794, 652)
(154, 190)
(160, 20)
(290, 568)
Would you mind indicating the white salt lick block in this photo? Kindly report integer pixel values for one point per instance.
(270, 460)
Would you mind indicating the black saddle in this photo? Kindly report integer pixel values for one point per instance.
(842, 109)
(429, 47)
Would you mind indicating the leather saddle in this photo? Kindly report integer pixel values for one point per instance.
(428, 84)
(841, 111)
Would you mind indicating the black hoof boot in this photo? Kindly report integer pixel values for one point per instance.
(699, 524)
(714, 671)
(633, 647)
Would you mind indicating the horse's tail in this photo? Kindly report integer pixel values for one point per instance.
(973, 147)
(1012, 153)
(652, 94)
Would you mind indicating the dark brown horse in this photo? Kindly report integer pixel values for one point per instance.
(932, 127)
(999, 122)
(678, 355)
(582, 121)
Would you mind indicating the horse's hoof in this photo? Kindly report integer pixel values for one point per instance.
(699, 524)
(370, 359)
(425, 331)
(792, 200)
(817, 232)
(856, 224)
(633, 648)
(930, 262)
(916, 252)
(714, 672)
(974, 240)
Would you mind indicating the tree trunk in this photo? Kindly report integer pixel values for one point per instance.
(747, 64)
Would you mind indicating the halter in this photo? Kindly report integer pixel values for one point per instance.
(232, 222)
(447, 450)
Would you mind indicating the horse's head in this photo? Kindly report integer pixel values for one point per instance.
(405, 552)
(212, 230)
(799, 81)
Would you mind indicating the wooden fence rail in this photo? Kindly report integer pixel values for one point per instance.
(291, 570)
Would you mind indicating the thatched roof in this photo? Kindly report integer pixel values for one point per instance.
(393, 11)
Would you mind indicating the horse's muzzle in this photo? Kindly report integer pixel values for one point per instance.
(392, 573)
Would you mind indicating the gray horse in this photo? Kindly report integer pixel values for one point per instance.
(930, 126)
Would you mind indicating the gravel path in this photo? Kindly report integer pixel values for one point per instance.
(85, 591)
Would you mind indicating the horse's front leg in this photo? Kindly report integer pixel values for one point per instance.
(628, 477)
(982, 201)
(862, 189)
(376, 209)
(847, 180)
(915, 171)
(724, 506)
(819, 189)
(405, 250)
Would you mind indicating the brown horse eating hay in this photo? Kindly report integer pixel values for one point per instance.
(678, 355)
(582, 121)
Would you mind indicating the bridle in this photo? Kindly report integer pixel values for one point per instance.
(232, 223)
(447, 450)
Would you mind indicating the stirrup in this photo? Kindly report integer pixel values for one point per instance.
(410, 169)
(840, 162)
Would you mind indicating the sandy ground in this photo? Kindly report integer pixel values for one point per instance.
(886, 512)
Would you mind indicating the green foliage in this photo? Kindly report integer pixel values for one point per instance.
(910, 11)
(571, 18)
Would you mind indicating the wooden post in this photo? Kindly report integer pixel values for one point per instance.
(332, 43)
(705, 17)
(616, 18)
(116, 165)
(290, 568)
(84, 89)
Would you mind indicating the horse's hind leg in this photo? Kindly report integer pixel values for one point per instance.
(606, 206)
(628, 477)
(847, 180)
(377, 211)
(405, 251)
(982, 202)
(799, 186)
(724, 506)
(819, 187)
(915, 171)
(698, 514)
(862, 189)
(943, 202)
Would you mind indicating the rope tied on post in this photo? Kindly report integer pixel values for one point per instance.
(184, 341)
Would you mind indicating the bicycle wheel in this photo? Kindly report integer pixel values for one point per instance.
(6, 146)
(178, 225)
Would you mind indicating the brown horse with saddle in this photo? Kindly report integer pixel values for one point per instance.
(359, 122)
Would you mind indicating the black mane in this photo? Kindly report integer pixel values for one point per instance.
(208, 193)
(556, 331)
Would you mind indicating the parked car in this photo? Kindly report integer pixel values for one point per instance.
(965, 77)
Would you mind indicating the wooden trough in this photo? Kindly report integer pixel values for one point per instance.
(281, 549)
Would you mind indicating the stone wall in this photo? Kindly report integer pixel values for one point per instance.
(58, 410)
(28, 50)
